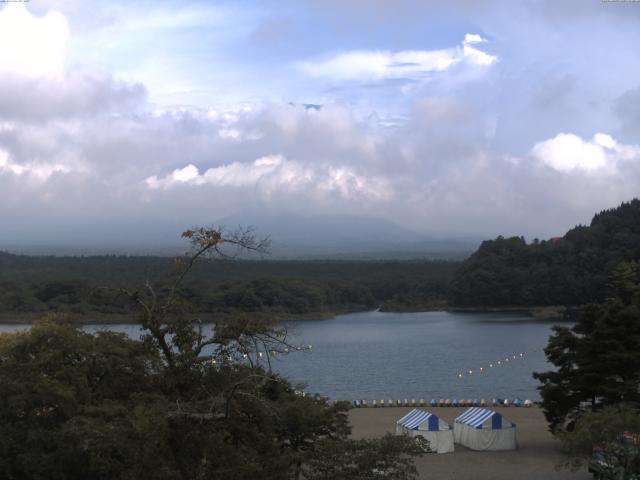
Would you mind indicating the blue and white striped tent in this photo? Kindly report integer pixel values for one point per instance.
(432, 428)
(483, 429)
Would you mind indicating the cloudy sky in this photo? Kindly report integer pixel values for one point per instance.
(127, 121)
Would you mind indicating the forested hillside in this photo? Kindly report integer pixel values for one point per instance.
(36, 285)
(571, 270)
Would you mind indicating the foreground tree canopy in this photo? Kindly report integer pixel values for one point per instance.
(181, 403)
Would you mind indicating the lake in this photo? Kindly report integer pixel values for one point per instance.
(376, 355)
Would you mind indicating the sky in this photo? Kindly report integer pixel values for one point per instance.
(131, 121)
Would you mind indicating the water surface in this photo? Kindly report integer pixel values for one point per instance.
(375, 355)
(420, 355)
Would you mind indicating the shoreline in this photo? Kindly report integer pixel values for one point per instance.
(552, 312)
(29, 318)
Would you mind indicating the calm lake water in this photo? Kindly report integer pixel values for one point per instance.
(375, 355)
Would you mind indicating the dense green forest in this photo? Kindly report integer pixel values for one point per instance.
(35, 285)
(571, 270)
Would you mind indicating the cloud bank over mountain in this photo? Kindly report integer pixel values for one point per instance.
(480, 126)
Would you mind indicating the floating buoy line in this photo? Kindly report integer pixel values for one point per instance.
(503, 362)
(256, 355)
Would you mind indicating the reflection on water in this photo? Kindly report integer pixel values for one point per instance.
(377, 355)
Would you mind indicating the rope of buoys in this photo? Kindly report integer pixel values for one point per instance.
(495, 402)
(498, 363)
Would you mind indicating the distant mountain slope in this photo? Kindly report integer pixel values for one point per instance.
(571, 270)
(348, 237)
(342, 237)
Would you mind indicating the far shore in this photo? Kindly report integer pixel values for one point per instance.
(554, 312)
(22, 318)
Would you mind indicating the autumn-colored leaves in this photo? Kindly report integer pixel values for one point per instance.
(204, 237)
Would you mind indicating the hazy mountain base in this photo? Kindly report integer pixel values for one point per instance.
(292, 238)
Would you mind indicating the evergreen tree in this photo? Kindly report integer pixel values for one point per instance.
(598, 359)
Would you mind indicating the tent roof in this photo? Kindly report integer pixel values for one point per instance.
(475, 416)
(415, 418)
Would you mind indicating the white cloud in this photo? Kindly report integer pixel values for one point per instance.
(476, 56)
(35, 82)
(470, 38)
(32, 46)
(238, 135)
(275, 173)
(34, 170)
(378, 65)
(568, 152)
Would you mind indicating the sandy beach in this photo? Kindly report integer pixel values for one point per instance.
(536, 458)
